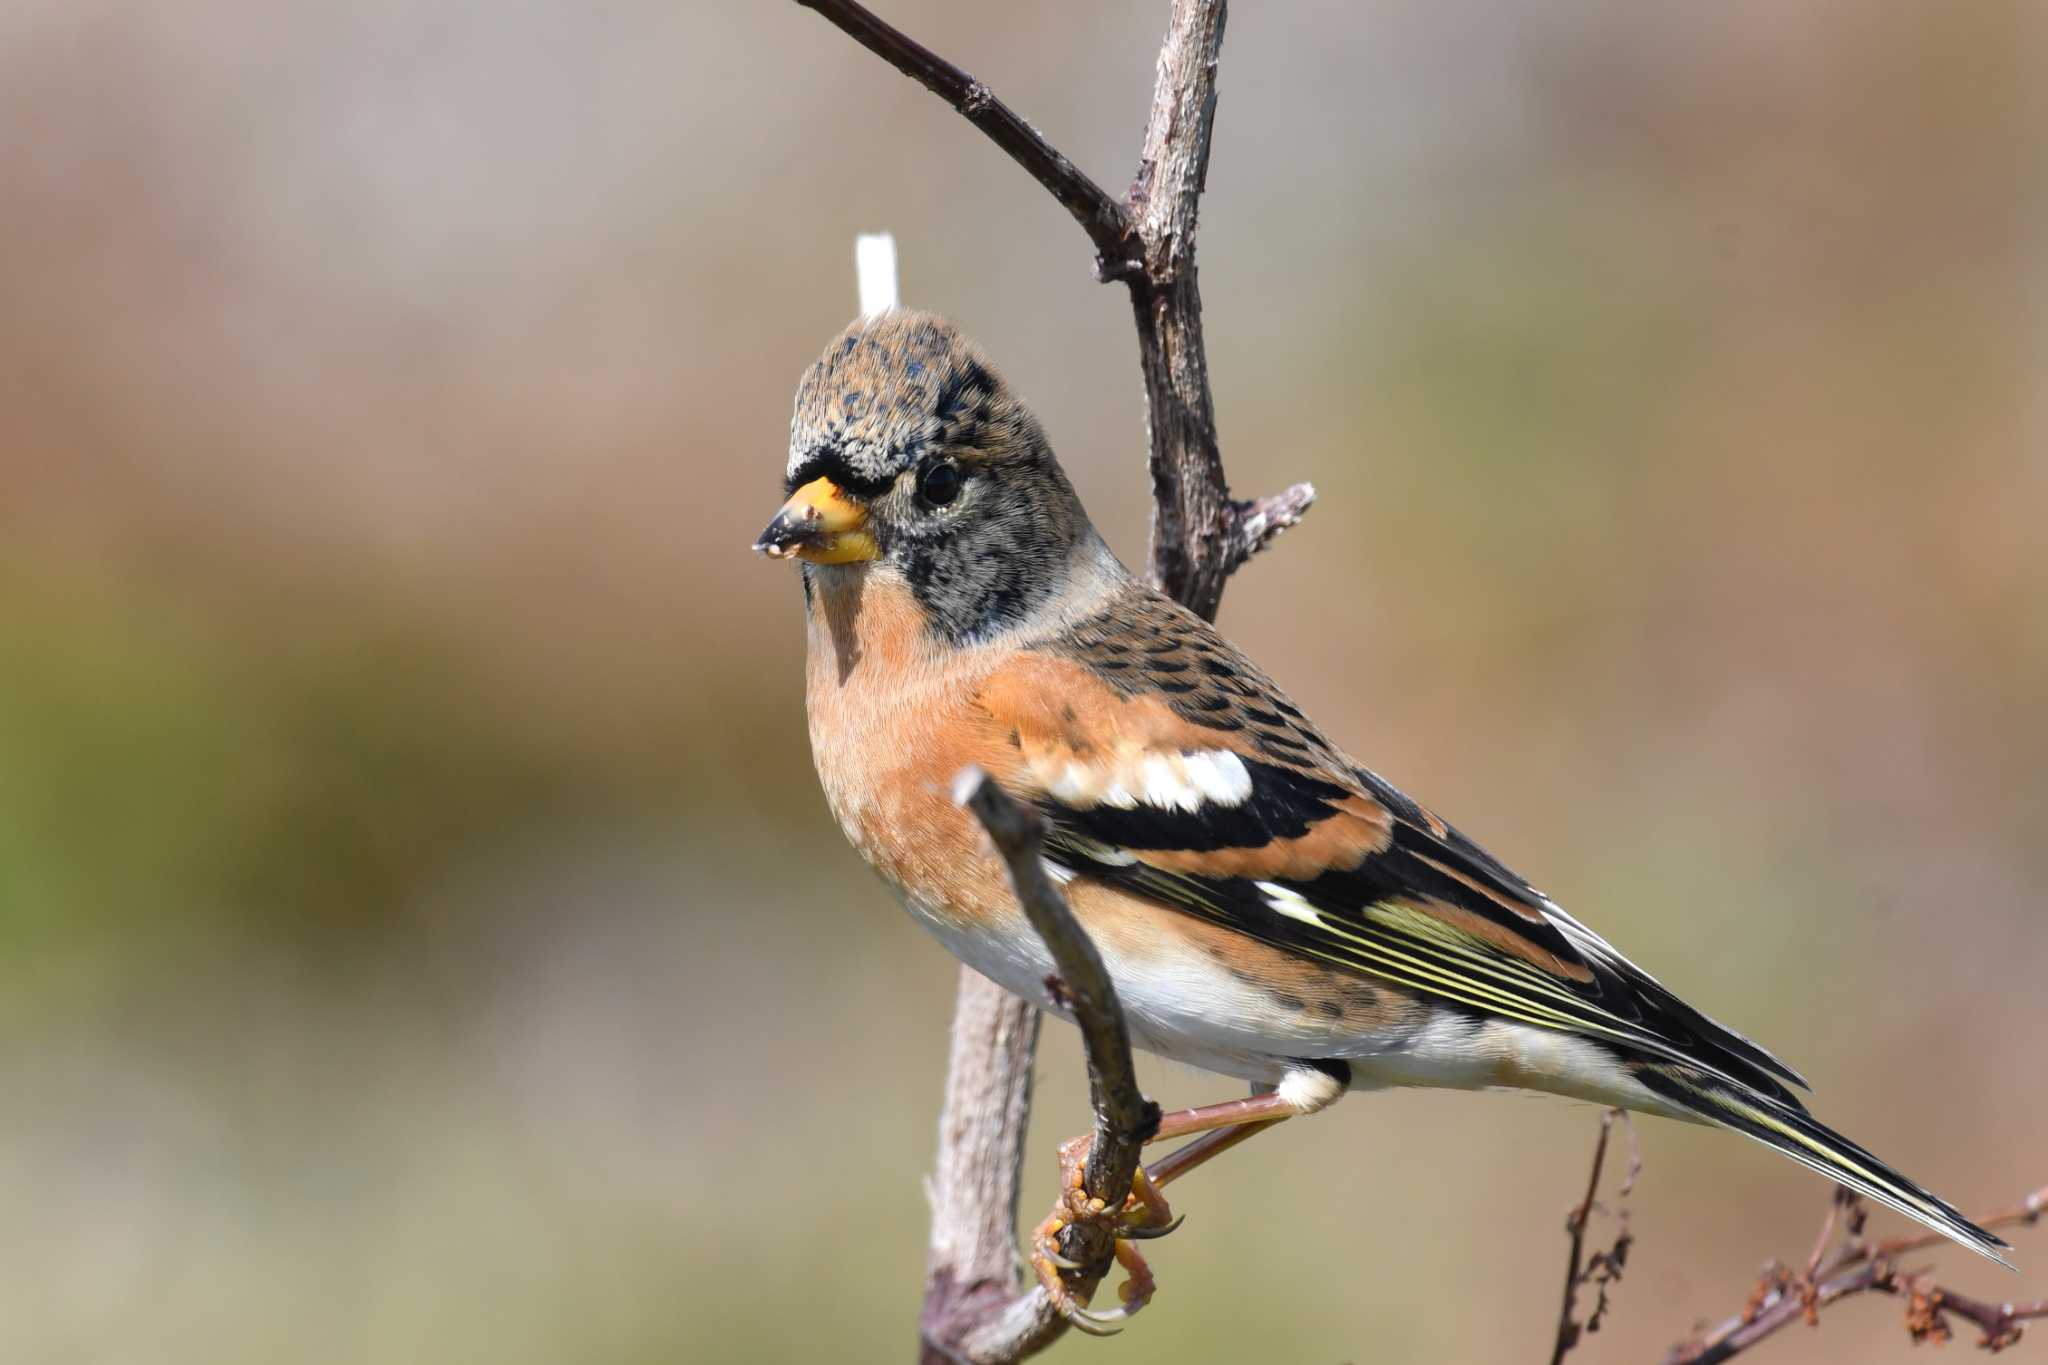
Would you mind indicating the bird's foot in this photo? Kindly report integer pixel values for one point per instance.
(1143, 1214)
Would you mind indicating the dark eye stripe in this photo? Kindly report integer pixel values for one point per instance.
(828, 463)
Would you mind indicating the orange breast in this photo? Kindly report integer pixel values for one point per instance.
(893, 720)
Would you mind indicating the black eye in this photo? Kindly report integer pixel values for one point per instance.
(938, 483)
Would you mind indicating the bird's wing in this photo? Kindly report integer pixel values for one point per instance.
(1167, 764)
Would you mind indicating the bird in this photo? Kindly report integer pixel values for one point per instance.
(1268, 908)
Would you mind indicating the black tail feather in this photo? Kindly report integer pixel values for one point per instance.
(1787, 1128)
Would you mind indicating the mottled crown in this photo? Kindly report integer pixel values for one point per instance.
(889, 390)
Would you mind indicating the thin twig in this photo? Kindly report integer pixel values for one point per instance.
(1605, 1267)
(1858, 1267)
(1124, 1118)
(1844, 1200)
(1099, 215)
(983, 1321)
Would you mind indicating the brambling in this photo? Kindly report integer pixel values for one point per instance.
(1267, 908)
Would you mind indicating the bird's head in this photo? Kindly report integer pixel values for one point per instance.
(909, 456)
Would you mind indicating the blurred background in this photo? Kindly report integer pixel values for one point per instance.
(421, 935)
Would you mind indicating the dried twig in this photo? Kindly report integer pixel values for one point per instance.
(1009, 1326)
(1855, 1266)
(1605, 1267)
(1100, 216)
(1124, 1118)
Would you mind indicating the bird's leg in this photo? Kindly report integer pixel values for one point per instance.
(1303, 1090)
(1145, 1213)
(1211, 1144)
(1268, 1106)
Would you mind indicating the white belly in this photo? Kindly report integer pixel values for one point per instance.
(1192, 1011)
(1185, 1008)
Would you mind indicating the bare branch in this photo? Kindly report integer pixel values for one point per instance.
(971, 1275)
(1200, 534)
(1193, 517)
(1857, 1267)
(984, 1318)
(1124, 1118)
(1605, 1267)
(1100, 216)
(2001, 1323)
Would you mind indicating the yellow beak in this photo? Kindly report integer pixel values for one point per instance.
(821, 524)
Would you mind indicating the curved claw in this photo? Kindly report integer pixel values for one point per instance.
(1140, 1233)
(1142, 1215)
(1027, 1260)
(1104, 1324)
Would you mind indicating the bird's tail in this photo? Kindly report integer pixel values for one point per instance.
(1785, 1127)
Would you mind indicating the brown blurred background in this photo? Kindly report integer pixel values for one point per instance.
(423, 937)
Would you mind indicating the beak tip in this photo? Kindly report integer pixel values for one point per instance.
(780, 540)
(818, 524)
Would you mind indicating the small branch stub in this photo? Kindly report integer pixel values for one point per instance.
(1255, 524)
(1602, 1269)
